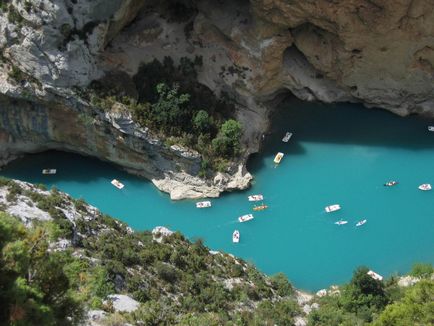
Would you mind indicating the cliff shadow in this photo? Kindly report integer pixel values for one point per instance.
(70, 167)
(342, 123)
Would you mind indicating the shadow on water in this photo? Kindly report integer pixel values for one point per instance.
(70, 168)
(344, 124)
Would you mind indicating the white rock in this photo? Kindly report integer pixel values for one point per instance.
(300, 321)
(96, 315)
(321, 293)
(408, 281)
(122, 303)
(159, 232)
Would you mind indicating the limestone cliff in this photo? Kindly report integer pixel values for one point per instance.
(379, 53)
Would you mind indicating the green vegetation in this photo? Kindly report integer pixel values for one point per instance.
(14, 16)
(367, 301)
(3, 5)
(16, 74)
(173, 104)
(176, 282)
(34, 289)
(422, 270)
(415, 308)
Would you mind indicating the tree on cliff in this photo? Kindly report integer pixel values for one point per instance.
(416, 308)
(227, 142)
(168, 109)
(201, 121)
(33, 286)
(364, 295)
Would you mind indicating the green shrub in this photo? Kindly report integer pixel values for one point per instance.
(422, 270)
(166, 272)
(280, 283)
(14, 16)
(415, 308)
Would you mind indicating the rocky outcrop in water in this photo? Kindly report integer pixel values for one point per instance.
(377, 53)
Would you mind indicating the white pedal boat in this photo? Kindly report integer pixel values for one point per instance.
(117, 184)
(425, 187)
(236, 236)
(256, 197)
(360, 223)
(333, 208)
(430, 128)
(341, 222)
(245, 218)
(203, 204)
(287, 137)
(49, 171)
(375, 276)
(278, 157)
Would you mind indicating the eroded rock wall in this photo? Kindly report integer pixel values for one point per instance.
(379, 53)
(28, 127)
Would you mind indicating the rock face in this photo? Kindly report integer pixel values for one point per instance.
(28, 127)
(379, 53)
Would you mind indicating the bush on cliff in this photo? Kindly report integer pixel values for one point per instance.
(172, 103)
(34, 289)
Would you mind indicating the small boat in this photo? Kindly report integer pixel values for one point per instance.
(425, 187)
(391, 183)
(332, 208)
(203, 204)
(260, 207)
(287, 137)
(49, 171)
(341, 222)
(117, 184)
(236, 236)
(430, 128)
(256, 197)
(360, 223)
(375, 276)
(278, 157)
(245, 218)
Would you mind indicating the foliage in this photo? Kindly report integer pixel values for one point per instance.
(33, 285)
(176, 281)
(278, 313)
(359, 302)
(14, 16)
(422, 270)
(16, 74)
(201, 121)
(415, 308)
(227, 142)
(172, 103)
(281, 284)
(364, 295)
(168, 108)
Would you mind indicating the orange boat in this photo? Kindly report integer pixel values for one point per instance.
(260, 207)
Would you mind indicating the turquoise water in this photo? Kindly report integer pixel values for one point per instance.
(338, 154)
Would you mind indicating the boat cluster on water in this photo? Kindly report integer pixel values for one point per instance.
(243, 218)
(336, 207)
(259, 197)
